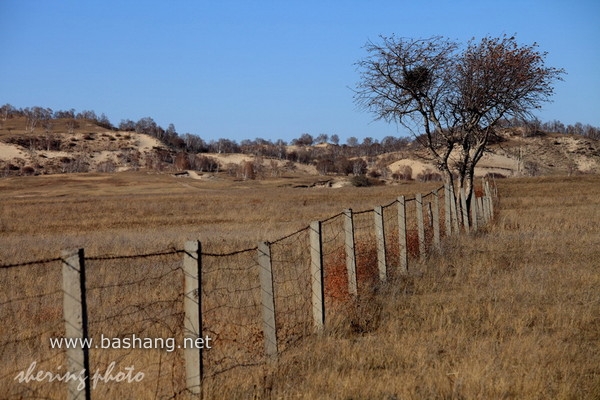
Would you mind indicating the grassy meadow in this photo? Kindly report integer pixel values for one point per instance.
(511, 312)
(129, 213)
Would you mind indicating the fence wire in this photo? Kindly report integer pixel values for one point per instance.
(231, 311)
(365, 249)
(290, 260)
(392, 240)
(334, 263)
(31, 313)
(141, 296)
(135, 308)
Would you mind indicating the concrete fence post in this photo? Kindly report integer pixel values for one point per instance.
(267, 299)
(380, 238)
(436, 219)
(76, 321)
(316, 272)
(488, 193)
(350, 252)
(474, 210)
(192, 306)
(402, 235)
(420, 225)
(480, 214)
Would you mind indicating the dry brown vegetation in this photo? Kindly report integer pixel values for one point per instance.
(509, 313)
(138, 212)
(513, 313)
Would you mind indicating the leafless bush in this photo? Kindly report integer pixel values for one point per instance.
(429, 176)
(106, 166)
(403, 174)
(206, 164)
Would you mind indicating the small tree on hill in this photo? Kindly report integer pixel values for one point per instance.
(450, 97)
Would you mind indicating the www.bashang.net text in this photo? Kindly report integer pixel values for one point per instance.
(131, 342)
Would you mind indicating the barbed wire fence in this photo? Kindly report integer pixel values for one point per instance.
(31, 309)
(240, 309)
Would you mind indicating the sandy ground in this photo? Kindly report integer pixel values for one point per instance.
(146, 142)
(10, 151)
(489, 163)
(225, 159)
(496, 163)
(417, 167)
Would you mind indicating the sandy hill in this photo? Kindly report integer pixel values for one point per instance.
(517, 155)
(91, 148)
(63, 149)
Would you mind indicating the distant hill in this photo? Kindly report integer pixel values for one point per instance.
(61, 147)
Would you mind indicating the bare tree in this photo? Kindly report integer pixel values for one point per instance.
(322, 138)
(452, 97)
(35, 115)
(305, 139)
(6, 111)
(352, 141)
(71, 125)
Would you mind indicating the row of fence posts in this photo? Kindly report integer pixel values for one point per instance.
(74, 287)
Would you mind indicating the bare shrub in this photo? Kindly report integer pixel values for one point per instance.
(248, 170)
(403, 174)
(429, 176)
(28, 170)
(182, 161)
(206, 164)
(233, 169)
(360, 181)
(106, 166)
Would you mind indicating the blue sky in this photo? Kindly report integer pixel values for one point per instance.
(269, 69)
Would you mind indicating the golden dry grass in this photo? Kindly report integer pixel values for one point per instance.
(509, 313)
(513, 313)
(137, 211)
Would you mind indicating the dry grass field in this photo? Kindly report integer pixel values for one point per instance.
(137, 212)
(512, 312)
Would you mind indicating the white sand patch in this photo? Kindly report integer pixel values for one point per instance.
(572, 143)
(194, 174)
(146, 142)
(10, 151)
(104, 155)
(489, 163)
(490, 160)
(496, 164)
(227, 158)
(340, 184)
(479, 172)
(417, 167)
(54, 154)
(585, 164)
(235, 158)
(309, 169)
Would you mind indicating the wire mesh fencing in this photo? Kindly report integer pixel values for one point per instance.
(31, 308)
(136, 312)
(292, 288)
(231, 312)
(135, 322)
